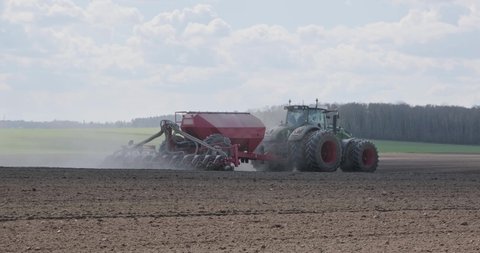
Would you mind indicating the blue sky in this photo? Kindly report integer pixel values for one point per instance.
(111, 60)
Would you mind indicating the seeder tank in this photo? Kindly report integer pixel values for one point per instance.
(243, 129)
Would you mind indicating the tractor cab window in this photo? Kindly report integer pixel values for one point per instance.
(316, 117)
(296, 118)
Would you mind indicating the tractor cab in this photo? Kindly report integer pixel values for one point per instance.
(299, 115)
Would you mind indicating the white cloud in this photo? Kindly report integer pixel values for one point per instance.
(156, 30)
(259, 48)
(466, 22)
(416, 27)
(200, 13)
(216, 27)
(64, 8)
(188, 27)
(263, 33)
(3, 83)
(423, 3)
(19, 11)
(77, 46)
(194, 54)
(107, 13)
(472, 20)
(28, 11)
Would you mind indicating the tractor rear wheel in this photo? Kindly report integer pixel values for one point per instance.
(297, 153)
(347, 162)
(323, 152)
(361, 157)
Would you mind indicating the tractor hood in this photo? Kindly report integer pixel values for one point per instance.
(300, 132)
(279, 133)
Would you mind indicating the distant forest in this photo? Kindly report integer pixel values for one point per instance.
(401, 122)
(438, 124)
(137, 122)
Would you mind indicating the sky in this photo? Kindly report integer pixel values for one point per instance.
(107, 60)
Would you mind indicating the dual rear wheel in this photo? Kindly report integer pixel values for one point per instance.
(322, 151)
(360, 156)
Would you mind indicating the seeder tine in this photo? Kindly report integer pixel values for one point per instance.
(176, 161)
(197, 161)
(187, 161)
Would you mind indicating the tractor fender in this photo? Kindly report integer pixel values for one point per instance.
(276, 134)
(300, 132)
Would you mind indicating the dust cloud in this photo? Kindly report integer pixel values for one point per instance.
(92, 156)
(52, 160)
(78, 161)
(79, 151)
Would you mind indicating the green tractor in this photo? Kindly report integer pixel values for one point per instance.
(310, 140)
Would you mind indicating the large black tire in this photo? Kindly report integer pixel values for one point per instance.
(362, 156)
(323, 152)
(347, 162)
(219, 141)
(297, 152)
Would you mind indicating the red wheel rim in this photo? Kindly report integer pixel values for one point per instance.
(368, 157)
(329, 152)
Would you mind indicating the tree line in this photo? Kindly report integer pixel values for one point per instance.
(400, 122)
(137, 122)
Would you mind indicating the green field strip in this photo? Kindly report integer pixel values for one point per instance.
(106, 140)
(420, 147)
(68, 141)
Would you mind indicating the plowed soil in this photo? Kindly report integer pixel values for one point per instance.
(413, 203)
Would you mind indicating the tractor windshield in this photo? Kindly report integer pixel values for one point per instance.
(300, 116)
(316, 116)
(296, 117)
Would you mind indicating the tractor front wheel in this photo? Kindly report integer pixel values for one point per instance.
(323, 152)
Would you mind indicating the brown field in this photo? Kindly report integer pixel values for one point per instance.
(413, 203)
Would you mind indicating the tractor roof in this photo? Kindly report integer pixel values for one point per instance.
(306, 107)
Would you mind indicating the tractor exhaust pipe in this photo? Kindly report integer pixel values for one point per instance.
(335, 119)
